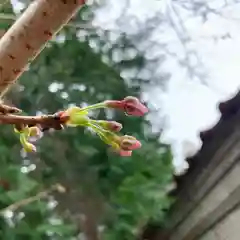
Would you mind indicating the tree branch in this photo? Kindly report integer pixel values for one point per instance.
(26, 201)
(29, 34)
(30, 120)
(72, 24)
(45, 122)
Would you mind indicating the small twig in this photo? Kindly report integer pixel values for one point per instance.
(29, 200)
(5, 109)
(28, 120)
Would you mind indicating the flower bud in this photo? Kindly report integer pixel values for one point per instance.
(125, 153)
(123, 145)
(110, 125)
(129, 143)
(130, 105)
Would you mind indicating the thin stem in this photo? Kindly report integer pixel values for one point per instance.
(95, 106)
(106, 136)
(100, 131)
(95, 122)
(26, 201)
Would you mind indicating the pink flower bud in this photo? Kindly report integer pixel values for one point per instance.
(109, 125)
(130, 105)
(125, 153)
(121, 152)
(129, 143)
(114, 126)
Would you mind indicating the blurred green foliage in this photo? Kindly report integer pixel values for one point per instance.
(106, 194)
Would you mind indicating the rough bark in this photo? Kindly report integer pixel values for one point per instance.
(29, 35)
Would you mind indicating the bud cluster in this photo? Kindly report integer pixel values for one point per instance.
(108, 131)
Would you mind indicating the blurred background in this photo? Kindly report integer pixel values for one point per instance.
(178, 56)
